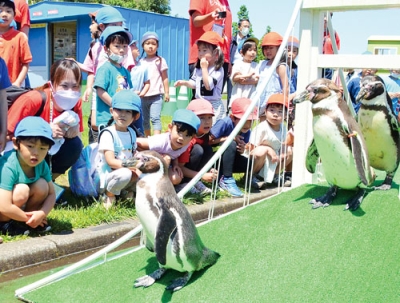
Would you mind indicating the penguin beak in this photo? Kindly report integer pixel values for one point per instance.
(361, 94)
(303, 96)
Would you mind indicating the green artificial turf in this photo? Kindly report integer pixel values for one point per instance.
(279, 250)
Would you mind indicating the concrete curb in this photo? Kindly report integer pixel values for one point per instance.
(29, 252)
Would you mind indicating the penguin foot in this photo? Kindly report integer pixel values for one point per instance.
(355, 201)
(179, 283)
(387, 184)
(149, 280)
(325, 200)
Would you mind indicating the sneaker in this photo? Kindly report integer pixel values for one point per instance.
(108, 202)
(13, 229)
(193, 190)
(229, 185)
(203, 190)
(41, 229)
(282, 181)
(256, 183)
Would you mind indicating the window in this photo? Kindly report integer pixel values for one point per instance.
(385, 51)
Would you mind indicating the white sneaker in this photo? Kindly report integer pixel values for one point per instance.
(202, 189)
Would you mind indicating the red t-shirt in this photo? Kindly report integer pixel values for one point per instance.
(327, 45)
(206, 7)
(184, 158)
(29, 103)
(22, 13)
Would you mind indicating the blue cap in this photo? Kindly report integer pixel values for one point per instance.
(253, 39)
(188, 117)
(149, 35)
(108, 14)
(126, 99)
(34, 127)
(110, 30)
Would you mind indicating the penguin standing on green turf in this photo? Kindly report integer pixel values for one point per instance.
(380, 128)
(169, 228)
(338, 141)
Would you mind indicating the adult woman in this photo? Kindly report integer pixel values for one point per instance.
(63, 93)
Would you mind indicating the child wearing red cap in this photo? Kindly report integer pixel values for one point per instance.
(208, 75)
(233, 160)
(199, 150)
(267, 141)
(279, 82)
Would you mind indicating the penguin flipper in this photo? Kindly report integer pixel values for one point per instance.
(312, 157)
(360, 156)
(166, 226)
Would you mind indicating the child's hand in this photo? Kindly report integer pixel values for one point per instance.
(36, 218)
(178, 83)
(166, 97)
(210, 176)
(203, 63)
(177, 170)
(87, 94)
(240, 144)
(272, 154)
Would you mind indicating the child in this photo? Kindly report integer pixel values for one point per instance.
(15, 48)
(26, 190)
(292, 52)
(158, 73)
(174, 142)
(279, 81)
(232, 159)
(244, 78)
(208, 76)
(117, 143)
(140, 79)
(111, 77)
(199, 151)
(267, 138)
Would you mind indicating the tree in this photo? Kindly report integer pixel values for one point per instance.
(155, 6)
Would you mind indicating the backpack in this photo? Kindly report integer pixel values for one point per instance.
(14, 92)
(85, 175)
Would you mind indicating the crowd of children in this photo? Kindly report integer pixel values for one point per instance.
(127, 90)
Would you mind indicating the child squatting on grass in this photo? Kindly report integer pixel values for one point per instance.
(26, 190)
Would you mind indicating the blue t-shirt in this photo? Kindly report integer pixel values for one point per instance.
(224, 127)
(11, 172)
(354, 87)
(112, 79)
(393, 86)
(139, 75)
(4, 78)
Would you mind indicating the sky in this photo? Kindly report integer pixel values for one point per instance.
(353, 27)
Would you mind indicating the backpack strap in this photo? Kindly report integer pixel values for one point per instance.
(44, 99)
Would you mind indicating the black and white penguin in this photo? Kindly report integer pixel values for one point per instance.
(338, 141)
(169, 228)
(380, 128)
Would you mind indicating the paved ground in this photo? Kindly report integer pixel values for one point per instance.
(26, 253)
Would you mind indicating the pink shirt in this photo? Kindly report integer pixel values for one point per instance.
(154, 69)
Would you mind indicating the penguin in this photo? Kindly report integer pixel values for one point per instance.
(339, 143)
(380, 128)
(170, 230)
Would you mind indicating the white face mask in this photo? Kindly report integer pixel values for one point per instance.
(245, 31)
(66, 99)
(395, 75)
(116, 58)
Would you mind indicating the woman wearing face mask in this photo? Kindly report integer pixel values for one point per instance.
(63, 93)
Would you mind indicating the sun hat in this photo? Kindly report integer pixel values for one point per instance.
(34, 127)
(188, 117)
(253, 39)
(110, 30)
(126, 99)
(201, 107)
(272, 39)
(211, 38)
(149, 35)
(278, 99)
(293, 41)
(133, 41)
(108, 14)
(239, 107)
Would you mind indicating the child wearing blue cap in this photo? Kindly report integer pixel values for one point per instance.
(173, 143)
(117, 144)
(159, 87)
(111, 77)
(26, 188)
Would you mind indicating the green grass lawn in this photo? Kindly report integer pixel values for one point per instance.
(279, 250)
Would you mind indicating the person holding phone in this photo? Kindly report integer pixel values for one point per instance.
(210, 16)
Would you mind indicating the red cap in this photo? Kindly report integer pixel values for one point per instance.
(278, 99)
(201, 107)
(272, 39)
(212, 38)
(239, 107)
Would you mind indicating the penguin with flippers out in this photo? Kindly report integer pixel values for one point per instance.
(380, 128)
(167, 223)
(339, 142)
